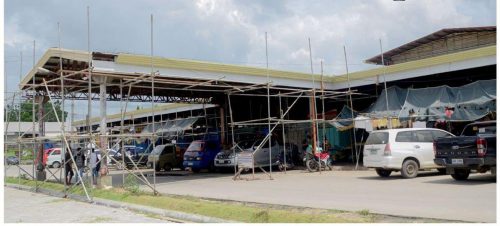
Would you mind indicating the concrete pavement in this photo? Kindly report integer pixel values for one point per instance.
(430, 195)
(28, 207)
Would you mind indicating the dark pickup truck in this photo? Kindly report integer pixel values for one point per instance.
(475, 149)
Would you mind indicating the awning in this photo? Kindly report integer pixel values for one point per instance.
(176, 126)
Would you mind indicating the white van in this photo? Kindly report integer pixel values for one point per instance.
(54, 158)
(406, 150)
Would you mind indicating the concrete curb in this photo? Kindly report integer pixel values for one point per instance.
(181, 216)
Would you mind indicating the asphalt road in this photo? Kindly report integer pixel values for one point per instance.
(28, 207)
(430, 195)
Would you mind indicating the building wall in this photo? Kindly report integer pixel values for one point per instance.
(452, 43)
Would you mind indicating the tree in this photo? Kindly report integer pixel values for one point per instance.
(11, 112)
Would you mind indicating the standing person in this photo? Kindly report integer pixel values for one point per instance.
(68, 163)
(95, 164)
(80, 164)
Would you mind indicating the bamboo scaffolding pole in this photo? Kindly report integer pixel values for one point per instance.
(89, 103)
(350, 101)
(269, 114)
(385, 85)
(153, 141)
(19, 118)
(66, 141)
(33, 118)
(63, 114)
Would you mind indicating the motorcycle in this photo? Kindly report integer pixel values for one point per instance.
(319, 159)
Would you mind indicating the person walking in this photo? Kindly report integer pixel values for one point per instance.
(68, 164)
(80, 164)
(95, 164)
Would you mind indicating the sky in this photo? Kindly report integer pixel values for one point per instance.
(232, 31)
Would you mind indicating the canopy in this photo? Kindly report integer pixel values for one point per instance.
(466, 103)
(176, 126)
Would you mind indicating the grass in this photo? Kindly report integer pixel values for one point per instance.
(234, 211)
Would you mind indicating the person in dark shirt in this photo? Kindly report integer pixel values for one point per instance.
(68, 167)
(80, 164)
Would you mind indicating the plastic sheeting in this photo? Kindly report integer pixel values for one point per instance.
(175, 127)
(466, 103)
(343, 121)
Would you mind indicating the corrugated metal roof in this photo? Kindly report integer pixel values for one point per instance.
(141, 60)
(137, 113)
(427, 62)
(426, 39)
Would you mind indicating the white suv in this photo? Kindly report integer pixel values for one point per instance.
(406, 150)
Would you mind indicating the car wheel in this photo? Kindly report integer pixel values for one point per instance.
(56, 165)
(157, 168)
(461, 174)
(442, 171)
(167, 167)
(383, 172)
(195, 170)
(410, 169)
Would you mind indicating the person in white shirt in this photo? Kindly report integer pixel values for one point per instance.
(95, 165)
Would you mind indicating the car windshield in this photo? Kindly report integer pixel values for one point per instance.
(246, 144)
(476, 129)
(157, 149)
(195, 146)
(377, 138)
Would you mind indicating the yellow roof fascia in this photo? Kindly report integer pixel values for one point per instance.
(141, 60)
(432, 61)
(54, 52)
(135, 112)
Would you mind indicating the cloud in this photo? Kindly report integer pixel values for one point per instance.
(233, 31)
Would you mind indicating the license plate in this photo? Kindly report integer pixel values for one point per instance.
(457, 161)
(190, 163)
(226, 162)
(373, 152)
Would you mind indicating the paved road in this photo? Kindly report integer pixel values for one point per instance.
(28, 207)
(429, 195)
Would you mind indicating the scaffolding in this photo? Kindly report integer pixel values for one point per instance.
(80, 82)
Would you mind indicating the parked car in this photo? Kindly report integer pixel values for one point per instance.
(12, 160)
(475, 149)
(261, 157)
(406, 150)
(137, 155)
(54, 157)
(201, 154)
(166, 157)
(226, 159)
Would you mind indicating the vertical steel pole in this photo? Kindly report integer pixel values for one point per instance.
(232, 132)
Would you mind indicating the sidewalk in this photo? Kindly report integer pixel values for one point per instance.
(28, 207)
